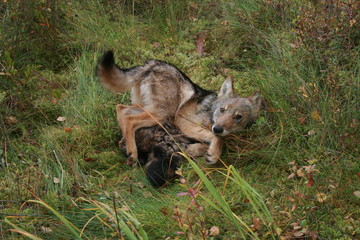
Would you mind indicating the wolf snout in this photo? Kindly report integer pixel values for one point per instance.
(217, 129)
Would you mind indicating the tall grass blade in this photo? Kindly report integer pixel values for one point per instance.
(73, 229)
(124, 226)
(224, 206)
(255, 199)
(21, 231)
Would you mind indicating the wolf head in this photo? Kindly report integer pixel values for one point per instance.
(232, 113)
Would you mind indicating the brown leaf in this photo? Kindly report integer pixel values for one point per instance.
(302, 120)
(89, 159)
(311, 234)
(156, 44)
(10, 120)
(257, 223)
(200, 44)
(300, 173)
(316, 116)
(352, 22)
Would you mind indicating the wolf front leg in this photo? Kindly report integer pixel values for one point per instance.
(214, 151)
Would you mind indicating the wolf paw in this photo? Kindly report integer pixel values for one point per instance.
(131, 161)
(211, 159)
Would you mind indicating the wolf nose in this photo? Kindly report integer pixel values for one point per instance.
(217, 129)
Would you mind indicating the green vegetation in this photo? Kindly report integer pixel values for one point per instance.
(295, 174)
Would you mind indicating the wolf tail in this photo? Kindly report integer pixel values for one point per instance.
(161, 167)
(114, 78)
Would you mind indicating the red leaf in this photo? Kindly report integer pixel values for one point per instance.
(88, 159)
(192, 192)
(311, 180)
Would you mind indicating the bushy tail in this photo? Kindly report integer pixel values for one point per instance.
(112, 77)
(161, 167)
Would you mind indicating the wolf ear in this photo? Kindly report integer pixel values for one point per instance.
(227, 88)
(256, 99)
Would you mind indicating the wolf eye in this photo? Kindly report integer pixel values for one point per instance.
(238, 117)
(222, 110)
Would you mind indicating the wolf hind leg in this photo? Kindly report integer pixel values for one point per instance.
(131, 119)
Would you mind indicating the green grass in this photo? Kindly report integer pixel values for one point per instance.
(294, 174)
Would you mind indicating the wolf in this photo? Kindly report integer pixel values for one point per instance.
(162, 93)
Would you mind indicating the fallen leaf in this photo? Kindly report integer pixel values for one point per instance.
(310, 180)
(54, 101)
(200, 44)
(214, 230)
(311, 234)
(10, 120)
(257, 223)
(311, 133)
(156, 44)
(285, 213)
(290, 199)
(271, 109)
(300, 173)
(192, 192)
(352, 22)
(272, 193)
(89, 159)
(56, 180)
(182, 194)
(357, 194)
(316, 116)
(302, 120)
(46, 229)
(297, 227)
(61, 119)
(321, 197)
(164, 211)
(67, 129)
(298, 234)
(291, 175)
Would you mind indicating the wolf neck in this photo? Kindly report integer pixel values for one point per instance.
(204, 110)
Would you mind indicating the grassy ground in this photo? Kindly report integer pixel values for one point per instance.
(295, 175)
